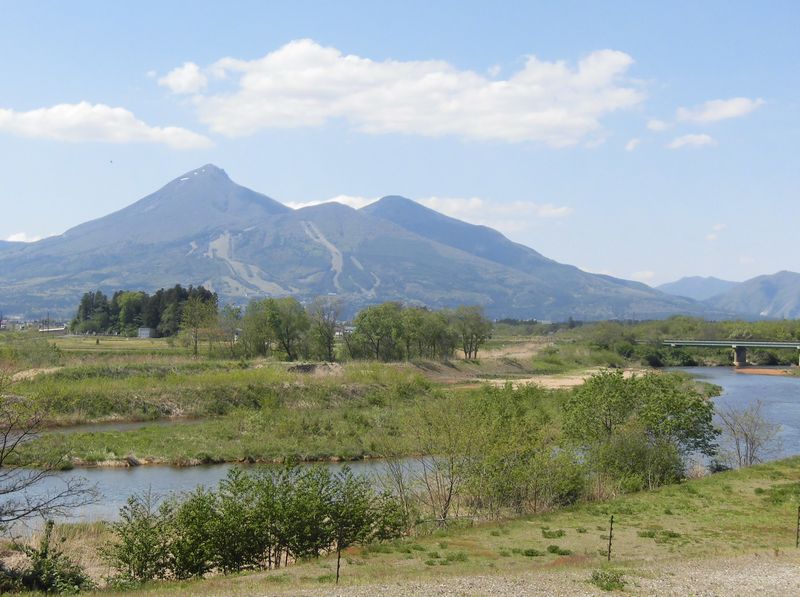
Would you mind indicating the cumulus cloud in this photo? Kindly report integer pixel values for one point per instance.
(23, 237)
(715, 110)
(351, 201)
(715, 230)
(692, 141)
(509, 218)
(632, 144)
(94, 122)
(657, 125)
(643, 276)
(305, 84)
(513, 216)
(186, 78)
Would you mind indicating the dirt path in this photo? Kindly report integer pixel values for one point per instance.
(31, 373)
(759, 574)
(524, 349)
(557, 382)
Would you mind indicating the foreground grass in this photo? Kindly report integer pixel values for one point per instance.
(727, 514)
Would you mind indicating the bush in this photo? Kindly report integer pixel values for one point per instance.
(555, 549)
(141, 551)
(532, 553)
(608, 579)
(51, 571)
(251, 521)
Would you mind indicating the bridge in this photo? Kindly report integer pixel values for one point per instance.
(739, 346)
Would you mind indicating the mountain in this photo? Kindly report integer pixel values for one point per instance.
(775, 296)
(698, 288)
(202, 228)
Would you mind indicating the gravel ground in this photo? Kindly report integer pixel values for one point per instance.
(763, 575)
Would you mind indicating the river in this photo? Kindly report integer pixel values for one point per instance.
(780, 396)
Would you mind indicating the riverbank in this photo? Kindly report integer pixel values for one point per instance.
(763, 371)
(722, 534)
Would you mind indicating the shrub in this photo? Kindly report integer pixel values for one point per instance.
(608, 579)
(140, 551)
(547, 534)
(555, 549)
(51, 571)
(532, 553)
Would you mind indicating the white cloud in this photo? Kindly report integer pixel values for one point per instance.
(643, 276)
(349, 200)
(692, 141)
(305, 84)
(186, 78)
(657, 125)
(715, 230)
(23, 237)
(632, 144)
(715, 110)
(94, 122)
(509, 218)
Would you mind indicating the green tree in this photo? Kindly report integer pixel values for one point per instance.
(256, 329)
(637, 431)
(140, 550)
(378, 329)
(350, 512)
(323, 315)
(191, 534)
(473, 328)
(198, 314)
(289, 324)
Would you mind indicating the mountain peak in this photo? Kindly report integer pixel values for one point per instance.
(206, 172)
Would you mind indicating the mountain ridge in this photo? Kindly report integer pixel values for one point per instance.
(203, 228)
(774, 296)
(699, 288)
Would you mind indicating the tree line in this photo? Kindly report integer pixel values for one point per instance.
(128, 310)
(285, 328)
(384, 332)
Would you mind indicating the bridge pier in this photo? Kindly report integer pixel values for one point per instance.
(739, 356)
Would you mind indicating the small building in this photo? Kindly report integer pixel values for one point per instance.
(146, 333)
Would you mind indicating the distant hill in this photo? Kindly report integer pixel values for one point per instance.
(698, 288)
(774, 296)
(202, 228)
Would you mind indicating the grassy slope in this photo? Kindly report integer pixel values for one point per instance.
(727, 514)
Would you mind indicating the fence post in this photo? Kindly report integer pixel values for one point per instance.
(611, 535)
(797, 533)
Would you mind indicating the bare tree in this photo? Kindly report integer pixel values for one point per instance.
(27, 493)
(750, 435)
(444, 446)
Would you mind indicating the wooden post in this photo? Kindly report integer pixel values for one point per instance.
(797, 533)
(610, 536)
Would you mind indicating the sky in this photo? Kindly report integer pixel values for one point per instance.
(644, 140)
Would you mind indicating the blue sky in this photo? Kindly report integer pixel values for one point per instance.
(644, 140)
